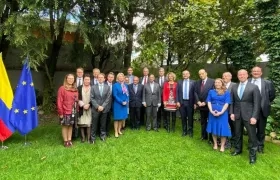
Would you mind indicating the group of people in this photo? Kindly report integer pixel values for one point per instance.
(225, 107)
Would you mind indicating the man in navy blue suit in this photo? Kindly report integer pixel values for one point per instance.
(185, 100)
(110, 82)
(202, 87)
(135, 102)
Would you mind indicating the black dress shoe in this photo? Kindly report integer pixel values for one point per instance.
(260, 150)
(156, 130)
(235, 153)
(252, 160)
(184, 134)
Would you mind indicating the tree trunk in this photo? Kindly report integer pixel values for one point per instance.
(129, 41)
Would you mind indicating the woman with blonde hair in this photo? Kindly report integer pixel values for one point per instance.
(67, 97)
(120, 103)
(169, 99)
(218, 100)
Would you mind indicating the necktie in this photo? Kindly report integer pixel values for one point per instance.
(152, 87)
(80, 82)
(135, 89)
(202, 85)
(186, 91)
(145, 80)
(161, 82)
(101, 89)
(241, 90)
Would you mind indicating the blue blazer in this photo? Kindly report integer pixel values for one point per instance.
(135, 99)
(179, 96)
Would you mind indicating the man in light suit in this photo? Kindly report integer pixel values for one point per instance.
(185, 100)
(202, 87)
(161, 112)
(144, 80)
(135, 102)
(151, 101)
(227, 76)
(110, 83)
(244, 110)
(100, 99)
(267, 96)
(80, 76)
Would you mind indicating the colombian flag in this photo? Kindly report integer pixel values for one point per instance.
(6, 99)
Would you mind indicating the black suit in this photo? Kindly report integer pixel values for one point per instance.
(267, 96)
(143, 115)
(187, 106)
(201, 93)
(245, 108)
(109, 114)
(231, 123)
(135, 104)
(161, 112)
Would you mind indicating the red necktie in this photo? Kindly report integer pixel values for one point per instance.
(202, 85)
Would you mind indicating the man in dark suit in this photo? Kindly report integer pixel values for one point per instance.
(161, 112)
(244, 110)
(110, 83)
(95, 73)
(202, 87)
(144, 80)
(100, 99)
(227, 76)
(135, 102)
(267, 96)
(152, 101)
(185, 100)
(130, 75)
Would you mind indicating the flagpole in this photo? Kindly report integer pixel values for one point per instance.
(25, 141)
(4, 147)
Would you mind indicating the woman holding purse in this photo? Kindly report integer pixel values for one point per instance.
(67, 97)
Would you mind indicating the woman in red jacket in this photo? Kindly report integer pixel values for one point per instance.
(67, 97)
(169, 99)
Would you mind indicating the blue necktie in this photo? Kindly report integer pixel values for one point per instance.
(186, 92)
(101, 89)
(241, 90)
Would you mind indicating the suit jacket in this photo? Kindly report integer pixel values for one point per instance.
(132, 77)
(142, 78)
(98, 100)
(249, 105)
(135, 99)
(179, 97)
(202, 95)
(149, 97)
(230, 86)
(267, 96)
(80, 98)
(92, 81)
(111, 88)
(157, 81)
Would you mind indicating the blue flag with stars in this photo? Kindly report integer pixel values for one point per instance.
(24, 116)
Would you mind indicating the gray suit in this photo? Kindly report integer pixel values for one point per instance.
(267, 96)
(152, 100)
(244, 109)
(97, 100)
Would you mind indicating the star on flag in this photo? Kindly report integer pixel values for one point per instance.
(23, 83)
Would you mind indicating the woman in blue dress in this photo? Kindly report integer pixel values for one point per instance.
(218, 101)
(120, 103)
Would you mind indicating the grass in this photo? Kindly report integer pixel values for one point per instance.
(135, 155)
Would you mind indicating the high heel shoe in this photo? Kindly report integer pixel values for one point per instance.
(116, 135)
(222, 150)
(120, 133)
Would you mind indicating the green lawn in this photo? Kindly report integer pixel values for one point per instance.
(135, 155)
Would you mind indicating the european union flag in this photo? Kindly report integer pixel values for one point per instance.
(24, 116)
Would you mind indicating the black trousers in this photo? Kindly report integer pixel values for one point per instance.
(142, 115)
(186, 111)
(108, 122)
(98, 118)
(251, 129)
(134, 113)
(161, 115)
(232, 128)
(203, 121)
(261, 124)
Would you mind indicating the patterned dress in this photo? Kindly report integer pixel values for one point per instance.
(85, 119)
